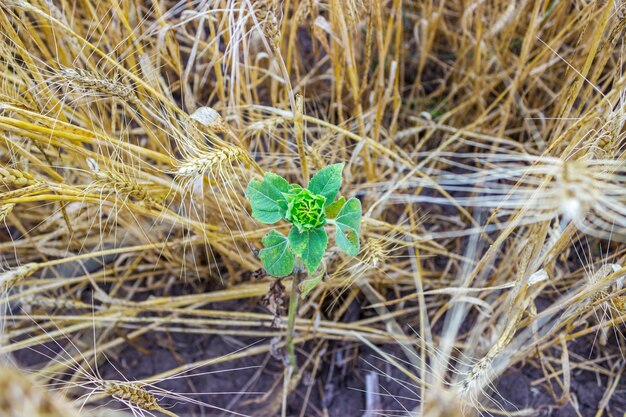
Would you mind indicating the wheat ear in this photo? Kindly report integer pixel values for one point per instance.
(92, 82)
(125, 185)
(5, 210)
(21, 397)
(205, 162)
(12, 277)
(135, 394)
(16, 178)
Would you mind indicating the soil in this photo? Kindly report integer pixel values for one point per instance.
(337, 389)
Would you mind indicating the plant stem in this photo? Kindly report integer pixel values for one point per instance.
(299, 128)
(294, 297)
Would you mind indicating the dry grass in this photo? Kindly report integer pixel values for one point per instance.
(485, 140)
(20, 396)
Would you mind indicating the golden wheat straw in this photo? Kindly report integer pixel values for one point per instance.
(48, 303)
(58, 14)
(21, 397)
(10, 278)
(529, 131)
(299, 133)
(5, 210)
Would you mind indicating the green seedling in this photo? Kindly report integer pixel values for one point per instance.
(309, 210)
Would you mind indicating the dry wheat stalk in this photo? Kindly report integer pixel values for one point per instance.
(21, 191)
(267, 126)
(315, 157)
(5, 210)
(49, 303)
(603, 293)
(303, 12)
(354, 9)
(12, 277)
(19, 3)
(489, 111)
(20, 397)
(58, 14)
(445, 403)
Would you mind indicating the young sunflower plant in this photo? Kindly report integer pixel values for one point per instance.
(309, 210)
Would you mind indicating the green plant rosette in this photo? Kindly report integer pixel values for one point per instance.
(305, 210)
(309, 210)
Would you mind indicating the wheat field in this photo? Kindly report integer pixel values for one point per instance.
(485, 141)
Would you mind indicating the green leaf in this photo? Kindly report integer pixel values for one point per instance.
(309, 245)
(276, 255)
(266, 198)
(305, 210)
(327, 182)
(333, 209)
(310, 283)
(348, 224)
